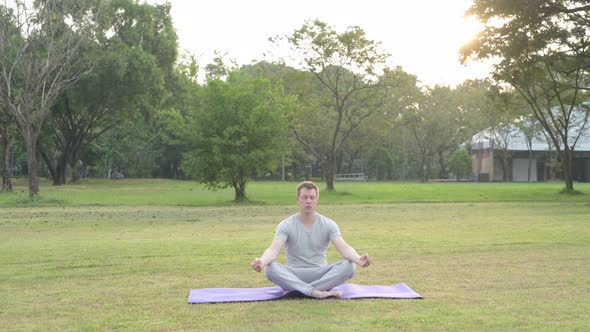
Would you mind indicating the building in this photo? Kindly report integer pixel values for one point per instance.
(505, 153)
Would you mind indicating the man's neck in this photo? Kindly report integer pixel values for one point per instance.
(307, 218)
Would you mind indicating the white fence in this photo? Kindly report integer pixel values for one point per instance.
(351, 177)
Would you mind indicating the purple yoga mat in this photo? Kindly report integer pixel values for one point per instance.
(349, 291)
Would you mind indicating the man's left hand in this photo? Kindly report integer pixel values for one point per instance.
(364, 260)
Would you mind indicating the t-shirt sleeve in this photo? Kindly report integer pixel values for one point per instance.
(333, 230)
(282, 232)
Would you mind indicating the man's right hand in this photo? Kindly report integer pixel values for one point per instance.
(364, 260)
(257, 264)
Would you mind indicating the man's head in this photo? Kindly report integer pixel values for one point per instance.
(307, 196)
(309, 185)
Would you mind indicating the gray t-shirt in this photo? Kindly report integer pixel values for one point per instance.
(307, 248)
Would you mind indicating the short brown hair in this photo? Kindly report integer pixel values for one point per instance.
(308, 185)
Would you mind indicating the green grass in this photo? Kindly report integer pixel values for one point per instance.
(89, 262)
(188, 193)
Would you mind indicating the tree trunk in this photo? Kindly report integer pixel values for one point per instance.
(503, 162)
(31, 143)
(328, 172)
(566, 166)
(530, 164)
(6, 184)
(49, 166)
(424, 168)
(337, 162)
(62, 168)
(75, 172)
(74, 162)
(240, 190)
(443, 172)
(351, 163)
(58, 173)
(421, 169)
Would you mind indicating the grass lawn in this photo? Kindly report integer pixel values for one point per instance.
(189, 193)
(123, 256)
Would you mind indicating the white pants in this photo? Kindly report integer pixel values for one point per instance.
(306, 280)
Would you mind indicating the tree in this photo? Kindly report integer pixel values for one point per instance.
(531, 129)
(133, 54)
(346, 65)
(402, 95)
(451, 125)
(460, 163)
(477, 107)
(129, 150)
(501, 135)
(185, 95)
(435, 130)
(39, 60)
(374, 139)
(543, 52)
(237, 131)
(7, 132)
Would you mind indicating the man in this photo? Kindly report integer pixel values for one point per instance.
(306, 236)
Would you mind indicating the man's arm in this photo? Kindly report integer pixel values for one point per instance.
(348, 252)
(269, 255)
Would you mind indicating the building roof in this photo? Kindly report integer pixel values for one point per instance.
(515, 139)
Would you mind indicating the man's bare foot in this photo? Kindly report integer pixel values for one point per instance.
(319, 294)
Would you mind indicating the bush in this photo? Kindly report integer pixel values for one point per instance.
(460, 163)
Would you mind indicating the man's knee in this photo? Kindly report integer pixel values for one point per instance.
(348, 268)
(271, 270)
(351, 268)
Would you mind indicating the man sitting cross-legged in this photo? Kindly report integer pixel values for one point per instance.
(306, 236)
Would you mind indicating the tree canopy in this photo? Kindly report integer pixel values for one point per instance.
(125, 102)
(238, 130)
(133, 55)
(40, 59)
(346, 64)
(543, 52)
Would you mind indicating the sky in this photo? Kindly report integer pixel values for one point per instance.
(422, 36)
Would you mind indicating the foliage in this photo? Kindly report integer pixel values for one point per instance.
(132, 151)
(347, 66)
(432, 124)
(238, 131)
(133, 55)
(378, 136)
(40, 58)
(478, 107)
(7, 134)
(350, 110)
(169, 122)
(543, 52)
(460, 163)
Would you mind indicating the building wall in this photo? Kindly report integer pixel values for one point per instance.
(487, 168)
(520, 170)
(498, 174)
(482, 163)
(581, 171)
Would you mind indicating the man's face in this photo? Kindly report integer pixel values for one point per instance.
(307, 200)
